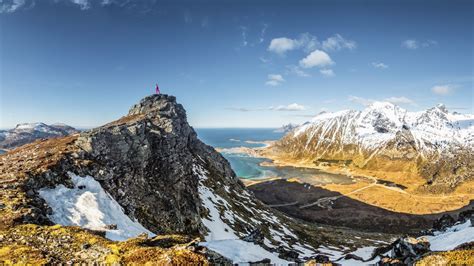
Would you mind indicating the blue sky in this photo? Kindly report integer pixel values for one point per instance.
(231, 63)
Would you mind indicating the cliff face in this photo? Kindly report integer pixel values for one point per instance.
(145, 161)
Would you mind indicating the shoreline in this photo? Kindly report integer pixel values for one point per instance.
(373, 187)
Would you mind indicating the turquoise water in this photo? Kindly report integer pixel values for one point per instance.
(249, 167)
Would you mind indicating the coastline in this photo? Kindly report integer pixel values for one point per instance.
(371, 187)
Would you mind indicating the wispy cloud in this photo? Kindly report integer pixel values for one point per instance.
(413, 44)
(309, 42)
(291, 107)
(360, 100)
(274, 80)
(240, 109)
(187, 17)
(294, 107)
(400, 100)
(205, 22)
(262, 33)
(317, 58)
(379, 65)
(395, 100)
(10, 6)
(296, 70)
(327, 72)
(263, 59)
(337, 42)
(243, 32)
(83, 4)
(445, 89)
(282, 45)
(410, 44)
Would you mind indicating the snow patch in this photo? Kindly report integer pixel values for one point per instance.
(452, 237)
(223, 239)
(89, 206)
(242, 252)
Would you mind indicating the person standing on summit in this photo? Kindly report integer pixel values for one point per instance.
(157, 89)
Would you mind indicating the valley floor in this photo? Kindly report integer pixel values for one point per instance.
(397, 192)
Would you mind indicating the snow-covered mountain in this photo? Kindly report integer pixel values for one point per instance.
(380, 122)
(29, 132)
(383, 136)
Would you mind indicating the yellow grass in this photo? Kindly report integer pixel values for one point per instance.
(409, 200)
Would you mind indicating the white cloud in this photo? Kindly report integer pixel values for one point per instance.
(290, 107)
(83, 4)
(316, 58)
(282, 45)
(379, 65)
(337, 42)
(394, 100)
(443, 89)
(327, 72)
(414, 44)
(274, 80)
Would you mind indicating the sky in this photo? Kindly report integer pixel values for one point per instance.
(231, 63)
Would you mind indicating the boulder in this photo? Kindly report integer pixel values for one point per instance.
(443, 222)
(409, 249)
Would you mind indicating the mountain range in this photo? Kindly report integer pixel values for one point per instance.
(29, 132)
(435, 143)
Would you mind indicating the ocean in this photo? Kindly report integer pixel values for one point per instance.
(228, 140)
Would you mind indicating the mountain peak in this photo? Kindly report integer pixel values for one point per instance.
(155, 103)
(442, 107)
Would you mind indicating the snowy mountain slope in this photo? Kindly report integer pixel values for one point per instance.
(372, 127)
(450, 238)
(29, 132)
(435, 143)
